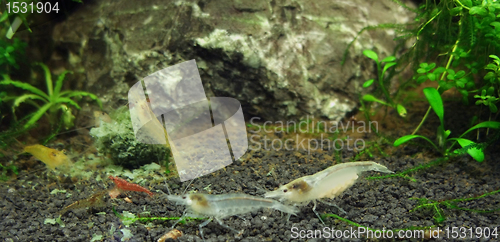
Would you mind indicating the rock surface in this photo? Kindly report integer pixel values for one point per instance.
(281, 59)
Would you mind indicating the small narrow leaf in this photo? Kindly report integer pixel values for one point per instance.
(371, 98)
(407, 138)
(371, 54)
(387, 66)
(368, 83)
(436, 102)
(486, 124)
(389, 59)
(37, 115)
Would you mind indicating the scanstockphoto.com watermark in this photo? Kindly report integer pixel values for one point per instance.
(326, 135)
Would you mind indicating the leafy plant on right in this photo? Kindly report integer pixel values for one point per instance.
(436, 103)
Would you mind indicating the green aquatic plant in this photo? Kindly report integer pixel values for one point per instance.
(436, 103)
(5, 170)
(435, 205)
(55, 103)
(382, 68)
(460, 38)
(490, 94)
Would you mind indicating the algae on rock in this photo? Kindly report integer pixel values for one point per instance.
(117, 140)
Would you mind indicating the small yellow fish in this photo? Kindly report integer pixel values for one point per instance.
(51, 157)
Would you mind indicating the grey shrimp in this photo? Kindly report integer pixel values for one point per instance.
(328, 183)
(221, 206)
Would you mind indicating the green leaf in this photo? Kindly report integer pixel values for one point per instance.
(70, 94)
(25, 97)
(371, 98)
(401, 110)
(407, 138)
(421, 70)
(460, 74)
(371, 54)
(485, 124)
(431, 76)
(461, 82)
(491, 66)
(431, 66)
(368, 83)
(421, 79)
(478, 10)
(68, 101)
(389, 59)
(495, 24)
(424, 65)
(387, 66)
(476, 153)
(490, 76)
(37, 115)
(493, 108)
(3, 17)
(24, 86)
(439, 70)
(48, 79)
(467, 3)
(436, 102)
(455, 11)
(490, 91)
(59, 82)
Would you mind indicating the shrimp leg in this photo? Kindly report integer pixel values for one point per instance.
(203, 225)
(317, 214)
(333, 205)
(225, 226)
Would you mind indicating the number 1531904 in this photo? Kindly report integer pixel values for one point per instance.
(471, 233)
(39, 7)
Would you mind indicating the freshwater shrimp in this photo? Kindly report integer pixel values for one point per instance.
(124, 185)
(221, 206)
(51, 157)
(99, 117)
(328, 183)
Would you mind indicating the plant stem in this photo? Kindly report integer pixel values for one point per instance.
(441, 78)
(381, 83)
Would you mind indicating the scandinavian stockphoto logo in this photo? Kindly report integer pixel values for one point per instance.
(204, 134)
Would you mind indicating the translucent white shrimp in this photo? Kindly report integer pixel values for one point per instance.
(221, 206)
(328, 183)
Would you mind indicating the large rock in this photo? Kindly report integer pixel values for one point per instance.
(280, 59)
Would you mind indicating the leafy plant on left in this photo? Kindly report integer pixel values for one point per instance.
(51, 103)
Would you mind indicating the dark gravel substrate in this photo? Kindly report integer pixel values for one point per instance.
(374, 203)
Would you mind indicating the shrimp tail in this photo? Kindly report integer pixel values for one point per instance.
(285, 208)
(372, 166)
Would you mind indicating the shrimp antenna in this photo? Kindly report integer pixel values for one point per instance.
(187, 186)
(168, 190)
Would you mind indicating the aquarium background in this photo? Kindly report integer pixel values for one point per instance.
(410, 85)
